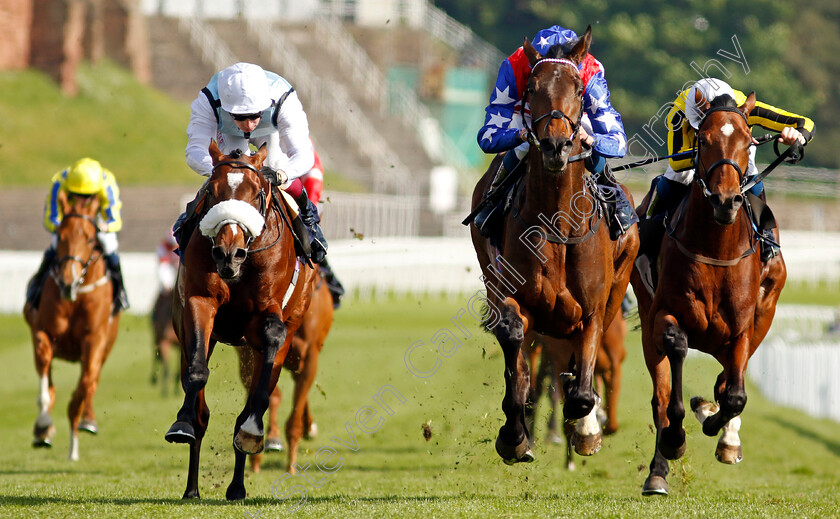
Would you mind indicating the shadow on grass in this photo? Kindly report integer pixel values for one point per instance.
(831, 445)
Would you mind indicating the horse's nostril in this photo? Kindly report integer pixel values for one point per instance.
(240, 254)
(737, 200)
(218, 254)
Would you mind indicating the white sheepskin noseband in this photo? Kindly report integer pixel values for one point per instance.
(232, 211)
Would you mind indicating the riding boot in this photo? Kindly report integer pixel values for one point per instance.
(112, 261)
(36, 283)
(309, 216)
(623, 214)
(665, 197)
(769, 246)
(482, 219)
(335, 286)
(185, 224)
(651, 233)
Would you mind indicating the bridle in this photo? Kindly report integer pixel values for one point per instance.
(261, 198)
(533, 139)
(94, 255)
(698, 163)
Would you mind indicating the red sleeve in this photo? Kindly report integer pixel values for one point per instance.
(521, 69)
(588, 68)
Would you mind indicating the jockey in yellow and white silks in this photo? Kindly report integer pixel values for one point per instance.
(683, 121)
(86, 177)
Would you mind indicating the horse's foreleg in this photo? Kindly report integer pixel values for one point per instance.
(202, 421)
(249, 433)
(92, 359)
(675, 346)
(195, 355)
(512, 443)
(295, 425)
(732, 398)
(44, 429)
(660, 372)
(580, 397)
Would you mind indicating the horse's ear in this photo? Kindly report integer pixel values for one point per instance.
(700, 102)
(261, 154)
(748, 105)
(63, 202)
(581, 48)
(531, 53)
(215, 153)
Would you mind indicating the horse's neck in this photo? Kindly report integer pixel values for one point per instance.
(698, 227)
(557, 198)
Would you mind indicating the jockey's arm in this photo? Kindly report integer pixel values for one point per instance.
(607, 128)
(680, 139)
(52, 213)
(200, 131)
(502, 128)
(110, 205)
(290, 149)
(776, 119)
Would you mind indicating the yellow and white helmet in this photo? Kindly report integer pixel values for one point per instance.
(84, 177)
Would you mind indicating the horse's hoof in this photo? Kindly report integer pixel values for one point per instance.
(181, 432)
(248, 443)
(728, 454)
(235, 492)
(655, 486)
(514, 454)
(42, 442)
(88, 426)
(191, 494)
(312, 433)
(43, 435)
(586, 445)
(273, 445)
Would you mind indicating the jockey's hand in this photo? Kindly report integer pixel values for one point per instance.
(276, 177)
(790, 135)
(585, 137)
(523, 135)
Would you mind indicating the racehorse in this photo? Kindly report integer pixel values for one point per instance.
(553, 361)
(302, 361)
(714, 294)
(553, 270)
(73, 321)
(165, 339)
(240, 283)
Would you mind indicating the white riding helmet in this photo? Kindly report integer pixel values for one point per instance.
(709, 88)
(243, 89)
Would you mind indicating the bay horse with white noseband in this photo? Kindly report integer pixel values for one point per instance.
(714, 294)
(73, 321)
(240, 283)
(555, 271)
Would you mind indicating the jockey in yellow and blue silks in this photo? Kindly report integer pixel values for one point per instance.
(86, 177)
(683, 122)
(601, 126)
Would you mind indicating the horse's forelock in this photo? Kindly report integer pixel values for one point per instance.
(724, 100)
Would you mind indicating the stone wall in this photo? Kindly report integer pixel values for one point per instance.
(56, 35)
(15, 24)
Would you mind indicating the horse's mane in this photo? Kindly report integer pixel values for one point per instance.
(561, 50)
(724, 100)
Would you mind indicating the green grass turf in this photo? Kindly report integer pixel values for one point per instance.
(790, 466)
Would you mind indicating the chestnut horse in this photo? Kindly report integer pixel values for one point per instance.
(302, 361)
(554, 270)
(241, 283)
(73, 321)
(554, 360)
(714, 293)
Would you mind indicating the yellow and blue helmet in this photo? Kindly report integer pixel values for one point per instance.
(84, 177)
